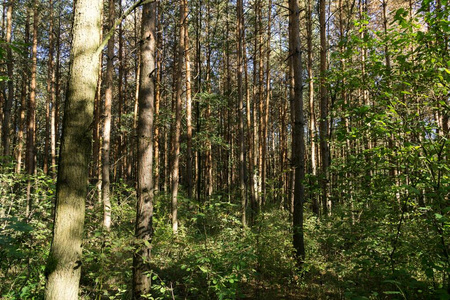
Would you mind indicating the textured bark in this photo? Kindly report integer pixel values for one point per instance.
(240, 35)
(208, 152)
(298, 143)
(189, 158)
(96, 151)
(23, 99)
(254, 170)
(265, 106)
(199, 90)
(250, 136)
(261, 144)
(109, 81)
(324, 151)
(158, 83)
(9, 65)
(64, 263)
(145, 193)
(50, 109)
(31, 117)
(312, 115)
(177, 123)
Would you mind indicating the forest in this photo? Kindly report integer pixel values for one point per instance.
(208, 149)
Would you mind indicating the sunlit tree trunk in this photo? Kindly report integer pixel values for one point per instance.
(158, 85)
(50, 109)
(255, 171)
(23, 100)
(312, 115)
(177, 125)
(64, 263)
(145, 188)
(106, 141)
(261, 144)
(189, 158)
(96, 167)
(265, 111)
(208, 153)
(240, 35)
(250, 136)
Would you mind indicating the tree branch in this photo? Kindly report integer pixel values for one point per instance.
(119, 20)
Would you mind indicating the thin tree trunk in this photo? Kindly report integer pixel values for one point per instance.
(96, 166)
(23, 98)
(106, 164)
(64, 263)
(49, 116)
(265, 118)
(199, 90)
(9, 65)
(31, 118)
(240, 36)
(158, 84)
(145, 193)
(250, 136)
(312, 115)
(261, 144)
(189, 158)
(323, 108)
(298, 143)
(177, 128)
(208, 154)
(255, 93)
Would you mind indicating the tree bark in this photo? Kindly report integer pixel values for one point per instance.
(312, 115)
(145, 189)
(9, 65)
(324, 151)
(240, 36)
(31, 117)
(50, 109)
(23, 98)
(298, 143)
(109, 82)
(177, 128)
(189, 158)
(64, 263)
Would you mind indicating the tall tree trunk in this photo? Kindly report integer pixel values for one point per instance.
(31, 118)
(96, 166)
(208, 154)
(106, 164)
(120, 153)
(145, 193)
(255, 173)
(177, 125)
(199, 90)
(323, 108)
(64, 263)
(265, 105)
(312, 115)
(50, 109)
(158, 84)
(240, 35)
(9, 65)
(189, 158)
(250, 136)
(261, 143)
(23, 98)
(298, 143)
